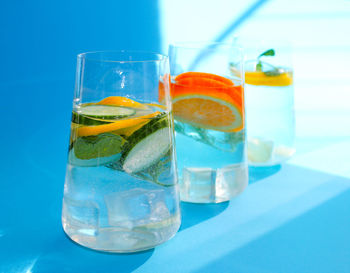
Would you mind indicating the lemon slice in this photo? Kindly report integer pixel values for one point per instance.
(261, 78)
(114, 126)
(122, 101)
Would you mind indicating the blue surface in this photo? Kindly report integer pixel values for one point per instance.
(292, 220)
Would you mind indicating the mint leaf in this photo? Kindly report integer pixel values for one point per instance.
(157, 169)
(258, 66)
(270, 52)
(102, 145)
(233, 139)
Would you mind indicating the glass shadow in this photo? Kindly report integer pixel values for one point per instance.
(259, 173)
(193, 213)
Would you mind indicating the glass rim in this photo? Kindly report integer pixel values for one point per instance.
(203, 44)
(157, 57)
(246, 41)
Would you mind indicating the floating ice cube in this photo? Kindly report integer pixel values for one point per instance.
(81, 215)
(259, 150)
(135, 207)
(284, 152)
(159, 211)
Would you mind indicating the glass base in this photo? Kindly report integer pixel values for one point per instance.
(123, 240)
(207, 185)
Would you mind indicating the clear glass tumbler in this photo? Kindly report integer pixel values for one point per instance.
(121, 192)
(269, 102)
(208, 107)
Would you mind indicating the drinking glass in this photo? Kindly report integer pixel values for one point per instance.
(269, 102)
(208, 107)
(121, 192)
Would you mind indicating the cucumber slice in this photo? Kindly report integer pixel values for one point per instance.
(100, 114)
(85, 120)
(147, 145)
(106, 111)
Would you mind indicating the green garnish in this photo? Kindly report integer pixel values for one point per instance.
(228, 143)
(152, 173)
(275, 71)
(258, 66)
(270, 52)
(234, 138)
(101, 145)
(147, 154)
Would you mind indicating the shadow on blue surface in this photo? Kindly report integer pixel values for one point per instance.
(193, 214)
(37, 251)
(294, 221)
(258, 173)
(82, 259)
(316, 241)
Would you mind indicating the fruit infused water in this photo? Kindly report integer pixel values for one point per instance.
(120, 194)
(210, 136)
(269, 95)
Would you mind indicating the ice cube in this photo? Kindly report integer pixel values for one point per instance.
(259, 150)
(198, 184)
(81, 214)
(231, 180)
(284, 152)
(159, 211)
(135, 207)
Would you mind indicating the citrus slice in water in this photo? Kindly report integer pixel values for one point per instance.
(202, 78)
(122, 101)
(208, 101)
(261, 78)
(124, 124)
(205, 83)
(211, 111)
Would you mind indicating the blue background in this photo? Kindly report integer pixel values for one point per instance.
(40, 39)
(39, 43)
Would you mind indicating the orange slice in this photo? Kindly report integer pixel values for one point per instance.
(203, 76)
(200, 82)
(118, 125)
(208, 101)
(122, 101)
(260, 78)
(235, 92)
(211, 111)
